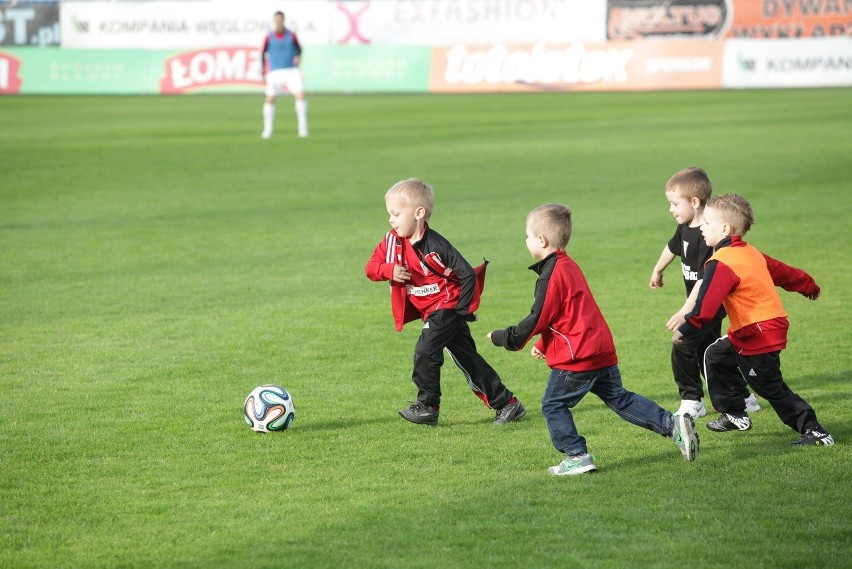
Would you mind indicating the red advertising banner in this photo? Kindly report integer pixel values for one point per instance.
(611, 66)
(211, 68)
(10, 79)
(772, 19)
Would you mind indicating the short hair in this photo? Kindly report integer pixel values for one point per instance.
(553, 221)
(691, 182)
(735, 211)
(278, 13)
(414, 192)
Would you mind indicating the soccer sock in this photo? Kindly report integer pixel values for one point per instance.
(268, 116)
(302, 115)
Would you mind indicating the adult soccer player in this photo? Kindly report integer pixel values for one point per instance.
(282, 51)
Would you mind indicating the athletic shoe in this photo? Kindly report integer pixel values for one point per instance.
(572, 465)
(695, 409)
(511, 412)
(421, 414)
(266, 134)
(752, 406)
(728, 422)
(813, 437)
(685, 437)
(303, 134)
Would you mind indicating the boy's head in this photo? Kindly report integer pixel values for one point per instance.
(409, 204)
(724, 216)
(688, 192)
(548, 229)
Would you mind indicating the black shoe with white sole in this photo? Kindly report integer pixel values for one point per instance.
(727, 422)
(421, 414)
(813, 437)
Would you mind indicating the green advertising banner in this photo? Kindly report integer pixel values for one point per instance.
(367, 68)
(225, 69)
(61, 71)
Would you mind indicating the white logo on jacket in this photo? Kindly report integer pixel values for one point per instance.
(424, 290)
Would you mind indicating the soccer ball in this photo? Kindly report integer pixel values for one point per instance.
(269, 408)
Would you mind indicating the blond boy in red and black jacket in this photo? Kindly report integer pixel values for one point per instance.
(431, 281)
(743, 280)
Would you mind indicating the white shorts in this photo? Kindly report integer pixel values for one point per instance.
(287, 80)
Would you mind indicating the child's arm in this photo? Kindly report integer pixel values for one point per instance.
(679, 317)
(666, 258)
(792, 279)
(515, 338)
(719, 280)
(382, 265)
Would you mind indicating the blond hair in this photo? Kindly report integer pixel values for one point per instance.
(553, 221)
(735, 211)
(691, 182)
(414, 192)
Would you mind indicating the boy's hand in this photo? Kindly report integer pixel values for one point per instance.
(401, 274)
(676, 321)
(677, 337)
(813, 296)
(656, 280)
(536, 353)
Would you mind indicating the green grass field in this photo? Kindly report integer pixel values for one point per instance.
(158, 260)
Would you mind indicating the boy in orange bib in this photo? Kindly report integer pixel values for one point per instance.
(743, 280)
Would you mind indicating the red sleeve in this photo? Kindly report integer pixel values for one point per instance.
(297, 47)
(719, 281)
(790, 278)
(378, 268)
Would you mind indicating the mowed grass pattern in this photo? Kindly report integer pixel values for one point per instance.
(158, 260)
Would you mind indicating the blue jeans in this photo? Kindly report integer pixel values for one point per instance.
(566, 388)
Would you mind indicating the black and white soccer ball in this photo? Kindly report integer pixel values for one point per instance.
(268, 409)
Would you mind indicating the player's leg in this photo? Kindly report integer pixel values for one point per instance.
(565, 389)
(273, 89)
(630, 406)
(643, 412)
(481, 377)
(295, 85)
(763, 373)
(428, 359)
(712, 333)
(269, 104)
(686, 364)
(724, 384)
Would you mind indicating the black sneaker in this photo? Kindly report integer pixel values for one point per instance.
(728, 422)
(421, 414)
(812, 437)
(511, 412)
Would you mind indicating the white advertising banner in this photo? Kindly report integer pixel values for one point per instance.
(805, 62)
(472, 22)
(187, 25)
(155, 24)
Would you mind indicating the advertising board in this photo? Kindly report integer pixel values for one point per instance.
(625, 65)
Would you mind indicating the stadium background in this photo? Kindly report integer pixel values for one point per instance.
(198, 46)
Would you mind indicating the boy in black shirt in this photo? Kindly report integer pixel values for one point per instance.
(687, 192)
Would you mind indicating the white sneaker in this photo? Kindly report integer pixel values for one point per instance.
(266, 134)
(573, 465)
(752, 406)
(694, 408)
(303, 134)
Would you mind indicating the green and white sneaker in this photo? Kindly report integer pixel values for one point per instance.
(580, 464)
(685, 437)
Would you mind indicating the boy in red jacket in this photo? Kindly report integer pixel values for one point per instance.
(743, 280)
(430, 280)
(578, 347)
